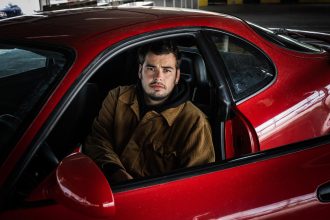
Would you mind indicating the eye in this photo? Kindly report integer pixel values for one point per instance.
(150, 68)
(167, 70)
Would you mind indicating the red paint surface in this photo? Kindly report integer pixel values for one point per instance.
(283, 187)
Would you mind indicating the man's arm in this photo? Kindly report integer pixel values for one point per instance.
(99, 145)
(199, 147)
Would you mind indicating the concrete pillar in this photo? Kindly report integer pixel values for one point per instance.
(202, 3)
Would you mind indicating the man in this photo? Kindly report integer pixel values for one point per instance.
(150, 128)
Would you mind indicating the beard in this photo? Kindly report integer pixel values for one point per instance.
(156, 97)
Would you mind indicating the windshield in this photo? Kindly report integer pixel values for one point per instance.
(26, 78)
(284, 40)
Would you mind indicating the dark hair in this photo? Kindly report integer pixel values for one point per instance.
(160, 48)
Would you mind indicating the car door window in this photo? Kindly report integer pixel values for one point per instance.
(249, 70)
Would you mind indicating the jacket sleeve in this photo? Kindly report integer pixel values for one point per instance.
(99, 145)
(199, 147)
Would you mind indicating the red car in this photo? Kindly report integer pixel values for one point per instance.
(265, 93)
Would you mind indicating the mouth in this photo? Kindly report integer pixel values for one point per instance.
(157, 86)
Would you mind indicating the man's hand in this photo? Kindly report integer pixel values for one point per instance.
(119, 176)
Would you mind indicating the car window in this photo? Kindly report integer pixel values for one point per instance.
(16, 61)
(249, 70)
(26, 74)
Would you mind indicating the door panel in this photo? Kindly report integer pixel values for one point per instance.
(279, 187)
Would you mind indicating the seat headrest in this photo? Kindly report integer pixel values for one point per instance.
(200, 71)
(192, 64)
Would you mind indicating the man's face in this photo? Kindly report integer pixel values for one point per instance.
(158, 76)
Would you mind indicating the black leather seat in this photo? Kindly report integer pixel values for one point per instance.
(202, 93)
(193, 70)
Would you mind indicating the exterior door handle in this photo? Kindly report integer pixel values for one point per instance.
(323, 192)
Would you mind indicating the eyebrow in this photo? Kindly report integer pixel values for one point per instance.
(164, 67)
(168, 67)
(150, 65)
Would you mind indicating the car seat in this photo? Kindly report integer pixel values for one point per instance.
(193, 71)
(203, 94)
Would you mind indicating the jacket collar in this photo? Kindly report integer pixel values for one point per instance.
(172, 113)
(129, 97)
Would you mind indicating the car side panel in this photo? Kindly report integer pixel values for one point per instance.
(296, 106)
(283, 187)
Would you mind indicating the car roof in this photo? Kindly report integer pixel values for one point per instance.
(72, 25)
(88, 32)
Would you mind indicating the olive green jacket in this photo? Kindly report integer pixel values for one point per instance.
(155, 144)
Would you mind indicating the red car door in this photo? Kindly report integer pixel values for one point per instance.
(284, 183)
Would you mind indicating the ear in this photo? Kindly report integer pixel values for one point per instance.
(140, 71)
(177, 76)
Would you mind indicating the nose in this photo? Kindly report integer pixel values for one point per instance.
(158, 74)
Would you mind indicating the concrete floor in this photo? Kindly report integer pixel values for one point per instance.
(315, 17)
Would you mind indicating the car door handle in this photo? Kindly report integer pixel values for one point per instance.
(323, 192)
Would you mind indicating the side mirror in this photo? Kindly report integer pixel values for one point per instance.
(80, 185)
